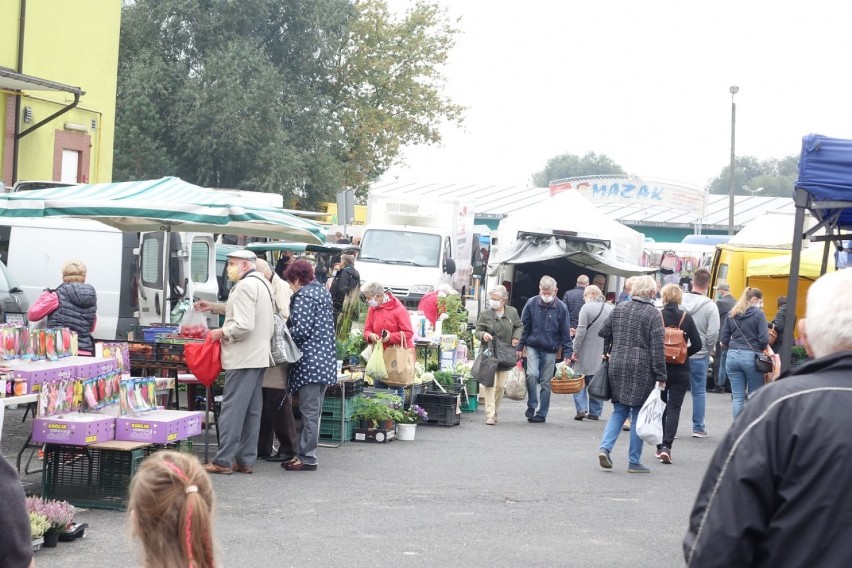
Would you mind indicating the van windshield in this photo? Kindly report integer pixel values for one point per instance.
(400, 247)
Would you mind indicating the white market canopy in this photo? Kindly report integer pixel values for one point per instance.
(569, 226)
(166, 204)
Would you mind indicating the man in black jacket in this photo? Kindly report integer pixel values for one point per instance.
(346, 280)
(775, 493)
(724, 301)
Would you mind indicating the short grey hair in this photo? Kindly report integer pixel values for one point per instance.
(372, 289)
(501, 290)
(347, 259)
(263, 267)
(547, 283)
(828, 319)
(592, 292)
(599, 280)
(644, 287)
(582, 280)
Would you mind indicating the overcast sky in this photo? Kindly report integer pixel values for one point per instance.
(646, 83)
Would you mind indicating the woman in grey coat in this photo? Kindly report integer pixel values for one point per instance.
(588, 348)
(636, 361)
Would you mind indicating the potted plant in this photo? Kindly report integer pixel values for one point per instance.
(38, 526)
(377, 412)
(357, 344)
(60, 515)
(407, 421)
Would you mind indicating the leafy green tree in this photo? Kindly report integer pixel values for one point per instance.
(294, 97)
(776, 177)
(571, 165)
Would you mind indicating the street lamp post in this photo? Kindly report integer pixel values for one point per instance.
(734, 91)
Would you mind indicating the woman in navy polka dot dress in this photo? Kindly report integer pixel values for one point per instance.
(312, 327)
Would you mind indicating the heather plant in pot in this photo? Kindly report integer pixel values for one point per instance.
(60, 515)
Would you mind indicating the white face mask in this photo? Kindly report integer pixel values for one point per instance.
(373, 303)
(546, 299)
(495, 304)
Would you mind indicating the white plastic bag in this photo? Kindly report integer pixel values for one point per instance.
(516, 386)
(649, 423)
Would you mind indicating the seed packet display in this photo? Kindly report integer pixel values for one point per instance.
(63, 342)
(137, 394)
(14, 342)
(101, 391)
(59, 396)
(50, 343)
(115, 350)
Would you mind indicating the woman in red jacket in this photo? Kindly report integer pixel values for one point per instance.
(387, 321)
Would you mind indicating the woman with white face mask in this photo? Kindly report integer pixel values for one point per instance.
(503, 323)
(387, 321)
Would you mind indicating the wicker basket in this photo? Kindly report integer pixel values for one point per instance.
(568, 386)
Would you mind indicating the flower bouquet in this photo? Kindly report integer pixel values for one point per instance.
(60, 515)
(413, 415)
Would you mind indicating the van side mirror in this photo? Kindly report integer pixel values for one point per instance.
(450, 266)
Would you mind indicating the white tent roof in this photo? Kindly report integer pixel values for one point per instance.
(773, 229)
(570, 211)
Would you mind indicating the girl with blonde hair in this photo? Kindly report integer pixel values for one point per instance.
(171, 512)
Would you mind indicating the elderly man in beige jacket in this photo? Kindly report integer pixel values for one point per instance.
(246, 355)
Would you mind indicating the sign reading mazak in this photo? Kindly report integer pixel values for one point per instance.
(632, 189)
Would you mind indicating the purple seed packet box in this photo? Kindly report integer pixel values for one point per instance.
(159, 426)
(74, 428)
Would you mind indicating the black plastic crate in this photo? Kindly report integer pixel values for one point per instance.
(142, 351)
(89, 477)
(351, 388)
(438, 399)
(441, 415)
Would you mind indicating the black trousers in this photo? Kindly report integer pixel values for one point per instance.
(276, 420)
(673, 397)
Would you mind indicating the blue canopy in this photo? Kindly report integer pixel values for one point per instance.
(825, 173)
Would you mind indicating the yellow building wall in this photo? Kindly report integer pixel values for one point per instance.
(74, 42)
(331, 209)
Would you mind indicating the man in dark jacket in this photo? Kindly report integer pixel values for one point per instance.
(573, 299)
(774, 492)
(346, 280)
(724, 302)
(546, 331)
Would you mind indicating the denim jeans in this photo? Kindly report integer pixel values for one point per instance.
(743, 375)
(584, 403)
(540, 369)
(722, 376)
(698, 378)
(620, 413)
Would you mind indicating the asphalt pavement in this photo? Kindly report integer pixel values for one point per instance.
(513, 494)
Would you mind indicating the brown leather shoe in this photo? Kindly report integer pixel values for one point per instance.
(296, 465)
(243, 469)
(216, 468)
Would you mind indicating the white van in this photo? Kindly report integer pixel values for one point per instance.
(125, 268)
(35, 250)
(192, 273)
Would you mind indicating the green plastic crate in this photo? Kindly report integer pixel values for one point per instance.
(333, 408)
(330, 430)
(89, 477)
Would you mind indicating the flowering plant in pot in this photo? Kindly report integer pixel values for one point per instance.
(407, 420)
(413, 415)
(60, 515)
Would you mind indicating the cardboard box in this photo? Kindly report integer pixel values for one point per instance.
(88, 367)
(159, 426)
(36, 373)
(449, 342)
(74, 428)
(375, 435)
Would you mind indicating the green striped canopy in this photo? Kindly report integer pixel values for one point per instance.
(167, 204)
